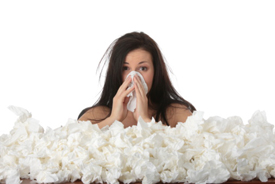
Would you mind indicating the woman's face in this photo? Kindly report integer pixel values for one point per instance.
(141, 61)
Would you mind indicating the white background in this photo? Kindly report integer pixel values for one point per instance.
(221, 54)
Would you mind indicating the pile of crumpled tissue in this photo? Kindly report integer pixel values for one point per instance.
(197, 151)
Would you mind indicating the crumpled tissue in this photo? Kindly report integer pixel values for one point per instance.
(197, 151)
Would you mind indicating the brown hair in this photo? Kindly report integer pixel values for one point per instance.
(162, 93)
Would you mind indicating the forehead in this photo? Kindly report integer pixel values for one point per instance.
(138, 55)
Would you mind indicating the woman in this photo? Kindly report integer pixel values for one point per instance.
(137, 52)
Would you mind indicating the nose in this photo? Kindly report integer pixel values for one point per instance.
(133, 73)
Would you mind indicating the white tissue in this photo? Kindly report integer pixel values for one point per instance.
(131, 106)
(197, 151)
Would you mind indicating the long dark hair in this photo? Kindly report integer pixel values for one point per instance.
(162, 93)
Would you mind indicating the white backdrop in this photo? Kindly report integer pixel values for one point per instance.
(221, 53)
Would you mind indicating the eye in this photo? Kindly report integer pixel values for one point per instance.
(124, 68)
(143, 68)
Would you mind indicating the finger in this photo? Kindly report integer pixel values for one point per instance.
(138, 93)
(124, 85)
(128, 91)
(139, 86)
(122, 98)
(136, 88)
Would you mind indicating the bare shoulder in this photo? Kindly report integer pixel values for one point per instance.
(177, 113)
(95, 114)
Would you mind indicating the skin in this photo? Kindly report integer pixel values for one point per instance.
(141, 61)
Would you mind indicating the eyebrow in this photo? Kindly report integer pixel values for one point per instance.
(138, 63)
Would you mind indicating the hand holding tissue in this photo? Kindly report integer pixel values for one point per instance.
(131, 106)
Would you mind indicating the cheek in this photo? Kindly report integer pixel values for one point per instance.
(149, 80)
(124, 75)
